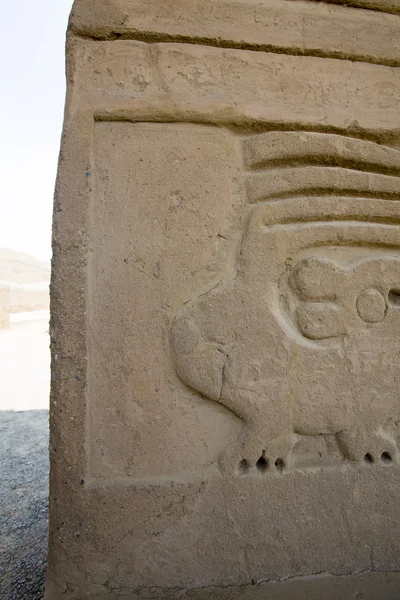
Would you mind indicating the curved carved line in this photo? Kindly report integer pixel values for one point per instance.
(330, 208)
(391, 7)
(154, 37)
(340, 218)
(313, 181)
(328, 160)
(245, 125)
(294, 148)
(339, 222)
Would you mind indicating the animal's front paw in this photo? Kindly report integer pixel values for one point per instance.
(251, 454)
(378, 447)
(245, 454)
(279, 451)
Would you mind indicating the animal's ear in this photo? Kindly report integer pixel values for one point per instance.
(316, 279)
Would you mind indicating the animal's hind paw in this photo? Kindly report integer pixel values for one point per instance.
(378, 447)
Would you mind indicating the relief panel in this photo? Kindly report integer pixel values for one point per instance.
(226, 302)
(300, 338)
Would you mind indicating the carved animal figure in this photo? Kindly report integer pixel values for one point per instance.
(317, 355)
(302, 337)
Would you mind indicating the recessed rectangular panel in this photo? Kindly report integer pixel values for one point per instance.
(164, 205)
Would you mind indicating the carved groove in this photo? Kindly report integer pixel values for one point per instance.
(153, 37)
(392, 8)
(317, 160)
(291, 149)
(312, 181)
(351, 218)
(337, 222)
(251, 126)
(331, 208)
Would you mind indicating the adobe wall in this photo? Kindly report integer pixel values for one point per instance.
(225, 418)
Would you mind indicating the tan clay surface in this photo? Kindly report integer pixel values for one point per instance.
(389, 6)
(282, 26)
(225, 417)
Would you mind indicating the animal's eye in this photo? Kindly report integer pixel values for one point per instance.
(371, 306)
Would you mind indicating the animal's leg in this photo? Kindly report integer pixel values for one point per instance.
(279, 451)
(370, 446)
(259, 450)
(244, 453)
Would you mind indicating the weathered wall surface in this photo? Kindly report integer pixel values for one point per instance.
(226, 303)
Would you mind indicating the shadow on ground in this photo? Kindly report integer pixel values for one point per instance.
(24, 471)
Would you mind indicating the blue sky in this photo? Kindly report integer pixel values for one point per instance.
(31, 112)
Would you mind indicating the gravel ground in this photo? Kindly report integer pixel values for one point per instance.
(24, 468)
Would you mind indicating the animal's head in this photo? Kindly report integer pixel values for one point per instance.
(332, 299)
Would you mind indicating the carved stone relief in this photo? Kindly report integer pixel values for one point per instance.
(225, 418)
(299, 340)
